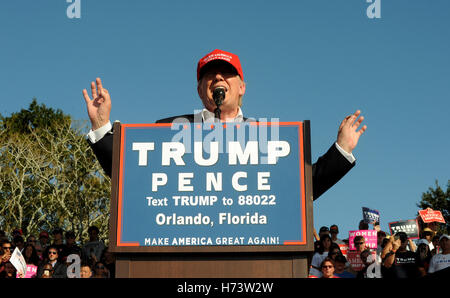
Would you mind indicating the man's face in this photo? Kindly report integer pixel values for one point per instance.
(340, 267)
(7, 252)
(444, 243)
(360, 244)
(93, 235)
(70, 240)
(85, 272)
(224, 75)
(327, 269)
(57, 236)
(52, 254)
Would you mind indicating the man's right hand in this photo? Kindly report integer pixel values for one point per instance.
(99, 107)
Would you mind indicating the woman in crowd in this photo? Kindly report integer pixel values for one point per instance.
(320, 255)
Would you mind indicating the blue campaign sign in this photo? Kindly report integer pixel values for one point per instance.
(232, 184)
(370, 215)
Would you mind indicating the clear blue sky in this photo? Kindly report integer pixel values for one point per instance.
(302, 60)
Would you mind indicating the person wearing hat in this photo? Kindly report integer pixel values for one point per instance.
(43, 240)
(427, 235)
(223, 69)
(441, 261)
(334, 231)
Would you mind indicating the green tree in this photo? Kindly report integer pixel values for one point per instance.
(438, 199)
(49, 176)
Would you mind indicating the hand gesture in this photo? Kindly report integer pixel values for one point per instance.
(348, 137)
(396, 244)
(99, 107)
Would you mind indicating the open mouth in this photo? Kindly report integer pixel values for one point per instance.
(224, 87)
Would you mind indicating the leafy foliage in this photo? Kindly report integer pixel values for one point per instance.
(49, 176)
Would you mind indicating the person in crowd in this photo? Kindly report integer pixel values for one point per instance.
(18, 242)
(59, 268)
(93, 249)
(428, 234)
(47, 271)
(43, 240)
(100, 271)
(327, 268)
(30, 255)
(381, 236)
(423, 256)
(441, 261)
(31, 240)
(58, 242)
(363, 225)
(398, 261)
(16, 232)
(324, 231)
(340, 263)
(7, 251)
(108, 259)
(366, 258)
(360, 243)
(39, 250)
(334, 231)
(320, 255)
(334, 251)
(436, 248)
(9, 271)
(85, 270)
(2, 258)
(71, 246)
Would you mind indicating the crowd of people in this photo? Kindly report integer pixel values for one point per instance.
(59, 256)
(396, 256)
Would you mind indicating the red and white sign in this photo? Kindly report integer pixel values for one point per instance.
(430, 215)
(355, 261)
(344, 249)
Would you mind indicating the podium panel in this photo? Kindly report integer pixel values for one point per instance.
(211, 199)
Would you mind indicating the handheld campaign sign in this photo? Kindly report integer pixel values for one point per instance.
(410, 227)
(187, 187)
(429, 215)
(370, 237)
(370, 215)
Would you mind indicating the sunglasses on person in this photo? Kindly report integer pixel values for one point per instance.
(52, 253)
(327, 266)
(100, 267)
(8, 248)
(358, 243)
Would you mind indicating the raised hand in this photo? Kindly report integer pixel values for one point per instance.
(348, 137)
(99, 107)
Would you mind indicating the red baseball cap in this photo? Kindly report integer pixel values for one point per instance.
(220, 55)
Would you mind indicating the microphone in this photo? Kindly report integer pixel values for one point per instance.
(219, 96)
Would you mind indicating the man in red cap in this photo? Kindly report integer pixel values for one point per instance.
(220, 69)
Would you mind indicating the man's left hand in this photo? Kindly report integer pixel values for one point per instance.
(348, 137)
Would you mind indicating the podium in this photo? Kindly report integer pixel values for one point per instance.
(212, 200)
